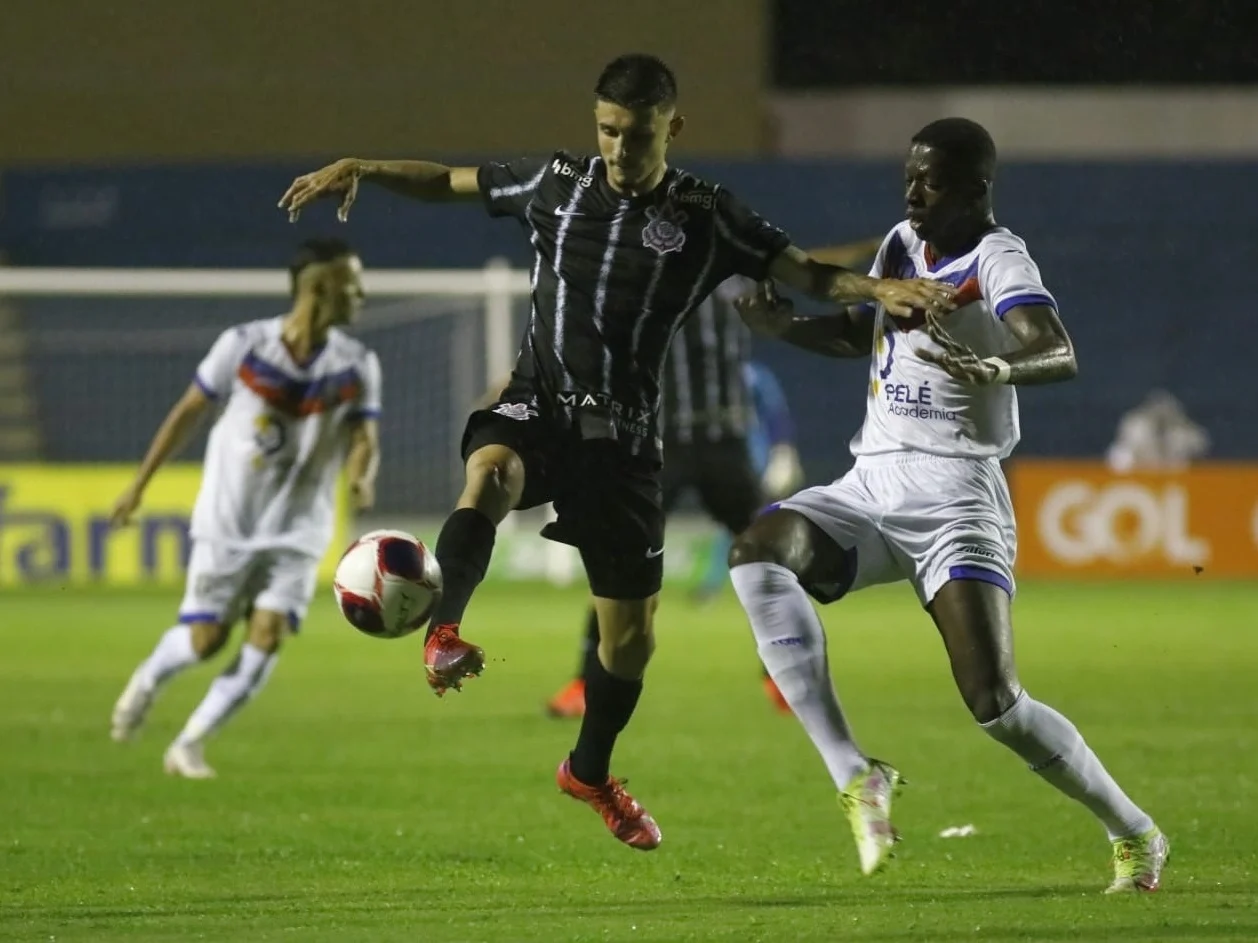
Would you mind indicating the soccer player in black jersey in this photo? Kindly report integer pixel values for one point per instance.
(705, 418)
(625, 248)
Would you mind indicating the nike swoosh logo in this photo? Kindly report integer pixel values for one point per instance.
(571, 214)
(652, 554)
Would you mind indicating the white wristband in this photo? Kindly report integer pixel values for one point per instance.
(1002, 369)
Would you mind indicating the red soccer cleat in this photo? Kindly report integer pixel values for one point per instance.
(448, 659)
(624, 818)
(774, 694)
(569, 702)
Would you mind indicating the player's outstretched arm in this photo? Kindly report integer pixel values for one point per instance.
(899, 297)
(363, 463)
(172, 435)
(848, 254)
(846, 333)
(418, 179)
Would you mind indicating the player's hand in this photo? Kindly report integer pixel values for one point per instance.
(362, 494)
(125, 507)
(341, 177)
(764, 311)
(904, 297)
(955, 359)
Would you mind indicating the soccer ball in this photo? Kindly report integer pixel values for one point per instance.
(387, 584)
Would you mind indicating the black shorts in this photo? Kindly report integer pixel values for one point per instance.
(721, 474)
(608, 503)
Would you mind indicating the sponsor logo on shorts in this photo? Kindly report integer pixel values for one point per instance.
(977, 551)
(788, 641)
(634, 420)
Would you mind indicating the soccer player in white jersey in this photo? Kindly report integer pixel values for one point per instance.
(300, 399)
(927, 501)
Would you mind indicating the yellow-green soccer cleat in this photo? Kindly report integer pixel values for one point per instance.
(867, 803)
(1138, 862)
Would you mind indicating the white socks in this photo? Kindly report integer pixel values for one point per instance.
(792, 645)
(174, 652)
(1056, 751)
(241, 680)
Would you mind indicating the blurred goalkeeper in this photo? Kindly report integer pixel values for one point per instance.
(300, 400)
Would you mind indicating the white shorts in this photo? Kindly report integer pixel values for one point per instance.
(918, 517)
(225, 582)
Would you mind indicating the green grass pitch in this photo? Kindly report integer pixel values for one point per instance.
(352, 805)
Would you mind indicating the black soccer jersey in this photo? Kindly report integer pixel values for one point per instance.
(705, 391)
(613, 279)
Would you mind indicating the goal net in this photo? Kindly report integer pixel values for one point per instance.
(106, 353)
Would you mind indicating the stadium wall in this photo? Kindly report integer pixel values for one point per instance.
(1148, 261)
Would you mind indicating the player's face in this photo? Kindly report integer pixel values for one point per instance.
(934, 201)
(633, 142)
(340, 289)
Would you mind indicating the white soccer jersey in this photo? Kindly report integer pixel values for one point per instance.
(913, 405)
(274, 455)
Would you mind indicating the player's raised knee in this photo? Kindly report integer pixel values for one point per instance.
(772, 538)
(495, 476)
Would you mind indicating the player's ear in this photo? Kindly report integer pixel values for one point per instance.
(675, 125)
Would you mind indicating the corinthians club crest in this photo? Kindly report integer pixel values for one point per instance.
(663, 231)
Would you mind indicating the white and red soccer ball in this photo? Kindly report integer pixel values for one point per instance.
(387, 584)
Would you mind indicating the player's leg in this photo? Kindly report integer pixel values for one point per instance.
(619, 529)
(732, 493)
(213, 578)
(820, 543)
(676, 476)
(963, 544)
(973, 618)
(493, 486)
(281, 588)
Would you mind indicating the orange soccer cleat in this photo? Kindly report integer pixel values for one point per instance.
(622, 814)
(448, 659)
(569, 702)
(774, 694)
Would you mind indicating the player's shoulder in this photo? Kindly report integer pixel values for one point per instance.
(575, 168)
(999, 241)
(347, 348)
(692, 191)
(249, 333)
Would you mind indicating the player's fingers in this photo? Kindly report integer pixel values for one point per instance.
(351, 194)
(291, 192)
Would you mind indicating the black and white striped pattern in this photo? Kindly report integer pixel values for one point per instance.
(615, 278)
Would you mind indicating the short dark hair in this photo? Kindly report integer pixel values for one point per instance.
(637, 80)
(313, 252)
(966, 144)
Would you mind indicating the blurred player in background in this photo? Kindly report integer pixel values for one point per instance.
(1157, 435)
(300, 399)
(927, 500)
(626, 247)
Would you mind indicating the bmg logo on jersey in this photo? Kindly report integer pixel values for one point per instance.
(704, 199)
(564, 169)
